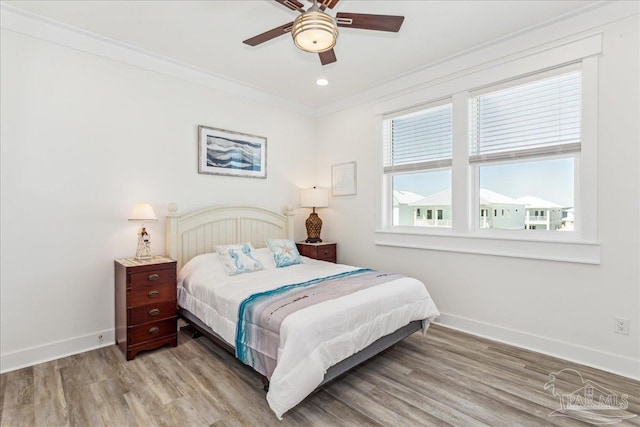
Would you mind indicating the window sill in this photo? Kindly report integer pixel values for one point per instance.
(506, 246)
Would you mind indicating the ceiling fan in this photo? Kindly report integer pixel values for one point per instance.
(316, 31)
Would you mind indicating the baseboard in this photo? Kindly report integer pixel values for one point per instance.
(619, 365)
(55, 350)
(613, 363)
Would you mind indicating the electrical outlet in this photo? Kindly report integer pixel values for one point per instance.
(621, 326)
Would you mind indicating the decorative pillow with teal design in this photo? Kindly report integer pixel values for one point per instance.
(239, 259)
(285, 252)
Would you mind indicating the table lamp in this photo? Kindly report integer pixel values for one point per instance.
(143, 212)
(314, 198)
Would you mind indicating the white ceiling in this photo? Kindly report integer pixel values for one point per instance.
(209, 35)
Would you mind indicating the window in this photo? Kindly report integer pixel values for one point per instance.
(417, 161)
(556, 149)
(523, 142)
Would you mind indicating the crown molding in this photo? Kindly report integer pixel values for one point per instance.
(548, 33)
(33, 25)
(590, 18)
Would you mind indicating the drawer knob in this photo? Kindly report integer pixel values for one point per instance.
(326, 252)
(153, 294)
(154, 330)
(154, 277)
(154, 312)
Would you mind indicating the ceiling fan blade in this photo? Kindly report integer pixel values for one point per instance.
(292, 4)
(364, 21)
(327, 57)
(327, 4)
(268, 35)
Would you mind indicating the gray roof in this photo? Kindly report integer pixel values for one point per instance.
(487, 197)
(402, 197)
(535, 202)
(442, 198)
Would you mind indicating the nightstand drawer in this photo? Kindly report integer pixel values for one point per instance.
(153, 277)
(152, 293)
(152, 312)
(319, 251)
(149, 331)
(326, 252)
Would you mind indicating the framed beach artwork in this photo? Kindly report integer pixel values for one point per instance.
(224, 152)
(343, 179)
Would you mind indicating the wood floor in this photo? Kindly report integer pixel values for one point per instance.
(443, 378)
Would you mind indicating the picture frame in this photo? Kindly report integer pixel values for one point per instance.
(344, 179)
(225, 152)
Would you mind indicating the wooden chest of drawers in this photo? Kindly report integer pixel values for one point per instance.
(325, 251)
(146, 305)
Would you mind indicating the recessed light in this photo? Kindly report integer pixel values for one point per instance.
(322, 82)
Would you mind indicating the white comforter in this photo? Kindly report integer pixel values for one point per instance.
(312, 339)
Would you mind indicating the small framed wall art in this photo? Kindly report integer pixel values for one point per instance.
(224, 152)
(344, 179)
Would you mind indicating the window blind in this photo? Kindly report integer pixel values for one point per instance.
(541, 117)
(420, 140)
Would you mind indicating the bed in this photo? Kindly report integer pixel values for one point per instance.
(315, 344)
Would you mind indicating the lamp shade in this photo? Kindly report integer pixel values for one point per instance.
(143, 212)
(314, 198)
(314, 31)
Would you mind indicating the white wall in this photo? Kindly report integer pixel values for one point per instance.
(561, 308)
(83, 139)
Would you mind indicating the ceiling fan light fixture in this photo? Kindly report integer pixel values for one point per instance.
(315, 31)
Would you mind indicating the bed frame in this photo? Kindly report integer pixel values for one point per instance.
(195, 233)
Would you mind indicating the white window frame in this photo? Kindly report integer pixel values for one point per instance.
(580, 246)
(421, 167)
(475, 166)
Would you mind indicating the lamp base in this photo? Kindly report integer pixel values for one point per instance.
(314, 226)
(144, 245)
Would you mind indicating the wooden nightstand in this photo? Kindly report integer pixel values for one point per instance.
(146, 304)
(325, 251)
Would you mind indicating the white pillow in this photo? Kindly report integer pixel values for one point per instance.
(209, 265)
(201, 267)
(266, 258)
(238, 259)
